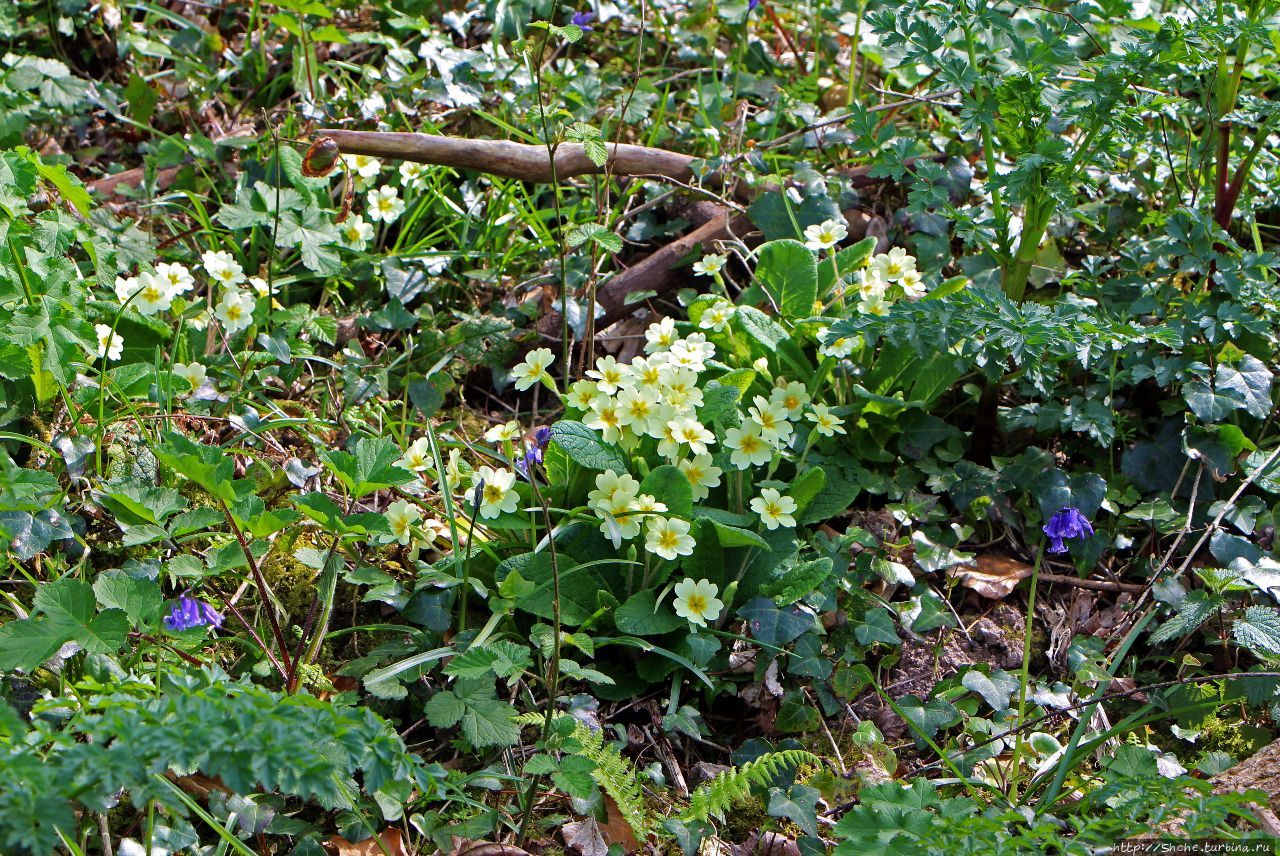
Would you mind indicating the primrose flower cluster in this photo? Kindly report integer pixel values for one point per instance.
(884, 279)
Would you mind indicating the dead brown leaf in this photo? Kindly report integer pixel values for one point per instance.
(991, 576)
(615, 829)
(390, 838)
(584, 837)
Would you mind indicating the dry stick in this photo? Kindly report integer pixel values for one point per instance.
(1095, 585)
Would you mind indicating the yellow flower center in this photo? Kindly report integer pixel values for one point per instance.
(493, 494)
(772, 509)
(696, 603)
(668, 540)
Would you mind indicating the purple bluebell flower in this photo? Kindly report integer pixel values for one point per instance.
(582, 20)
(533, 452)
(1067, 523)
(752, 5)
(189, 612)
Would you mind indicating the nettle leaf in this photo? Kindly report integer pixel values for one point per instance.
(1195, 609)
(788, 270)
(1250, 382)
(585, 447)
(502, 658)
(370, 468)
(27, 643)
(596, 234)
(1259, 630)
(473, 702)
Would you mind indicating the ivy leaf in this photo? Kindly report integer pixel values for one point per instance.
(1207, 405)
(596, 234)
(799, 805)
(473, 702)
(771, 625)
(996, 688)
(928, 717)
(1249, 382)
(1259, 630)
(585, 448)
(312, 233)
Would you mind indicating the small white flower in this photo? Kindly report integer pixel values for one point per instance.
(876, 305)
(668, 537)
(710, 264)
(609, 375)
(660, 337)
(176, 276)
(792, 397)
(503, 433)
(581, 394)
(637, 408)
(839, 348)
(260, 286)
(235, 311)
(702, 475)
(610, 485)
(363, 166)
(497, 496)
(355, 232)
(913, 285)
(774, 509)
(416, 458)
(606, 417)
(222, 268)
(697, 601)
(750, 449)
(871, 284)
(717, 316)
(531, 370)
(771, 417)
(110, 345)
(690, 432)
(126, 287)
(401, 517)
(384, 204)
(200, 320)
(194, 374)
(828, 424)
(413, 175)
(825, 235)
(153, 296)
(893, 265)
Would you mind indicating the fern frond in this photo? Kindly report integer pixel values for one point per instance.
(718, 794)
(613, 772)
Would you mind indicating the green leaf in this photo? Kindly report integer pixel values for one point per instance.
(473, 702)
(1208, 405)
(1250, 382)
(208, 466)
(585, 448)
(1195, 609)
(370, 468)
(670, 486)
(806, 487)
(69, 606)
(773, 625)
(760, 327)
(502, 658)
(798, 805)
(798, 581)
(788, 270)
(642, 616)
(596, 234)
(314, 235)
(928, 717)
(28, 642)
(996, 688)
(140, 600)
(1259, 631)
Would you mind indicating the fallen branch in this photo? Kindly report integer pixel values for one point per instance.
(520, 161)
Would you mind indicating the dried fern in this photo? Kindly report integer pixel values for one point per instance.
(614, 773)
(731, 786)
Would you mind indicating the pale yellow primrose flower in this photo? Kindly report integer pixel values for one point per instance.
(668, 537)
(416, 458)
(531, 370)
(178, 278)
(893, 265)
(581, 394)
(384, 204)
(697, 601)
(504, 432)
(774, 509)
(235, 311)
(609, 375)
(497, 496)
(401, 516)
(110, 344)
(772, 419)
(716, 317)
(791, 396)
(750, 449)
(660, 336)
(710, 265)
(193, 373)
(828, 423)
(222, 268)
(825, 235)
(702, 475)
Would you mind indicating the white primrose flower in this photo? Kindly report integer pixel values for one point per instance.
(697, 601)
(609, 375)
(610, 484)
(606, 417)
(827, 423)
(774, 509)
(791, 396)
(384, 204)
(401, 517)
(110, 344)
(638, 408)
(194, 374)
(893, 265)
(235, 311)
(702, 475)
(871, 284)
(668, 537)
(497, 496)
(176, 276)
(750, 449)
(222, 268)
(717, 316)
(839, 348)
(661, 336)
(153, 296)
(688, 431)
(355, 232)
(912, 284)
(825, 235)
(260, 286)
(417, 457)
(710, 264)
(581, 394)
(771, 417)
(532, 369)
(413, 175)
(363, 167)
(876, 305)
